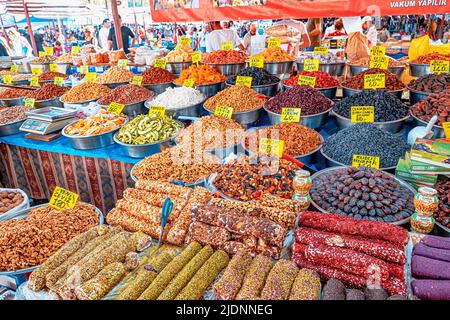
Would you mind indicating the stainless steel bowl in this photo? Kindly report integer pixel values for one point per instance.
(44, 67)
(390, 126)
(416, 96)
(189, 111)
(131, 109)
(419, 70)
(113, 85)
(177, 67)
(11, 102)
(90, 142)
(269, 90)
(316, 175)
(54, 102)
(313, 121)
(398, 71)
(244, 117)
(210, 90)
(438, 130)
(227, 69)
(354, 70)
(63, 67)
(347, 92)
(330, 93)
(333, 163)
(75, 105)
(442, 229)
(159, 87)
(279, 67)
(10, 128)
(333, 69)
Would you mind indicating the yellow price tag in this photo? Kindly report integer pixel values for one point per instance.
(36, 71)
(48, 51)
(307, 81)
(91, 77)
(185, 41)
(375, 81)
(189, 83)
(59, 81)
(311, 65)
(63, 199)
(379, 62)
(75, 50)
(273, 42)
(196, 57)
(366, 161)
(377, 51)
(29, 102)
(137, 80)
(122, 62)
(446, 126)
(227, 45)
(159, 111)
(245, 81)
(34, 81)
(223, 111)
(115, 107)
(160, 63)
(362, 114)
(321, 50)
(439, 66)
(14, 68)
(290, 114)
(271, 147)
(84, 69)
(7, 79)
(53, 67)
(257, 62)
(42, 54)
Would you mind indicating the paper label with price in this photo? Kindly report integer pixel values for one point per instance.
(91, 77)
(42, 54)
(189, 83)
(63, 199)
(196, 57)
(362, 114)
(15, 68)
(307, 81)
(245, 81)
(48, 51)
(271, 147)
(36, 71)
(7, 79)
(439, 66)
(366, 161)
(122, 62)
(257, 62)
(28, 102)
(160, 63)
(115, 107)
(84, 69)
(273, 42)
(75, 50)
(137, 80)
(379, 62)
(53, 67)
(59, 81)
(185, 41)
(159, 111)
(34, 81)
(290, 114)
(311, 65)
(378, 51)
(320, 50)
(446, 126)
(223, 111)
(375, 81)
(227, 45)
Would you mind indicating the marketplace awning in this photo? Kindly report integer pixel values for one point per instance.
(209, 10)
(52, 8)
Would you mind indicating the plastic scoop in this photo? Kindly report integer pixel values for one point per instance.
(165, 212)
(422, 132)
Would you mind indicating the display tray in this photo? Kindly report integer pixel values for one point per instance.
(50, 114)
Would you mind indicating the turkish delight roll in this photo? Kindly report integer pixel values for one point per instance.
(306, 286)
(255, 278)
(279, 281)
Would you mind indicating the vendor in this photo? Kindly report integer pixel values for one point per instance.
(248, 38)
(218, 35)
(314, 28)
(303, 37)
(369, 30)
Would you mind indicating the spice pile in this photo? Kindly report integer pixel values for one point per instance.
(115, 74)
(156, 76)
(357, 82)
(386, 106)
(298, 140)
(145, 129)
(177, 98)
(275, 54)
(223, 57)
(240, 98)
(362, 193)
(13, 114)
(351, 250)
(427, 58)
(365, 139)
(125, 94)
(203, 74)
(13, 93)
(443, 214)
(259, 76)
(140, 209)
(427, 108)
(30, 241)
(323, 79)
(85, 91)
(181, 53)
(47, 91)
(50, 76)
(248, 178)
(431, 83)
(102, 122)
(9, 200)
(365, 62)
(309, 100)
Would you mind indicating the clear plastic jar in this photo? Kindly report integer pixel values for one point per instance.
(302, 182)
(426, 201)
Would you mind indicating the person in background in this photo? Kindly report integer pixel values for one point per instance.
(369, 30)
(127, 34)
(206, 29)
(103, 34)
(434, 37)
(304, 40)
(38, 38)
(19, 44)
(191, 33)
(336, 30)
(218, 35)
(57, 49)
(314, 28)
(248, 37)
(89, 37)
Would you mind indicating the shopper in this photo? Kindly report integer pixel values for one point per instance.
(89, 37)
(218, 35)
(127, 34)
(206, 29)
(103, 34)
(314, 28)
(303, 37)
(19, 44)
(369, 30)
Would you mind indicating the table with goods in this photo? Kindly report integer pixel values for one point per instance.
(221, 176)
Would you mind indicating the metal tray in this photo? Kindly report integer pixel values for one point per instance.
(50, 114)
(11, 128)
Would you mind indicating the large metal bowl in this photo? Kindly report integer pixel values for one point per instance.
(158, 88)
(354, 70)
(44, 67)
(390, 126)
(333, 69)
(316, 175)
(438, 130)
(53, 102)
(64, 67)
(333, 163)
(227, 69)
(347, 92)
(245, 117)
(208, 90)
(131, 109)
(330, 93)
(416, 96)
(279, 67)
(11, 102)
(75, 105)
(442, 229)
(312, 121)
(269, 90)
(113, 85)
(189, 111)
(10, 128)
(177, 67)
(419, 70)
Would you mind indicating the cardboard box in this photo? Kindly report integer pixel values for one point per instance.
(433, 152)
(403, 172)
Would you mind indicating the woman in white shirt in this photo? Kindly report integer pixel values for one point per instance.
(215, 38)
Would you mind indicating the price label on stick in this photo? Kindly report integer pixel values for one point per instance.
(362, 114)
(159, 111)
(375, 81)
(271, 147)
(377, 51)
(379, 62)
(196, 57)
(36, 71)
(115, 107)
(48, 51)
(137, 80)
(160, 63)
(59, 81)
(189, 83)
(245, 81)
(290, 114)
(34, 81)
(439, 66)
(227, 45)
(366, 161)
(273, 42)
(15, 68)
(307, 81)
(28, 102)
(75, 50)
(63, 199)
(122, 62)
(446, 126)
(53, 67)
(7, 79)
(311, 65)
(91, 77)
(42, 54)
(223, 111)
(320, 50)
(84, 69)
(185, 41)
(257, 62)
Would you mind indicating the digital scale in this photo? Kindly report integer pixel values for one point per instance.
(47, 120)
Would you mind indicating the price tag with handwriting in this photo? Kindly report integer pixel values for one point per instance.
(375, 81)
(446, 126)
(15, 68)
(223, 111)
(42, 54)
(115, 107)
(362, 114)
(28, 102)
(366, 161)
(245, 81)
(91, 77)
(137, 80)
(53, 67)
(63, 199)
(273, 42)
(290, 114)
(439, 66)
(307, 81)
(271, 147)
(59, 81)
(185, 41)
(189, 83)
(196, 57)
(377, 51)
(75, 50)
(36, 71)
(160, 63)
(227, 45)
(320, 50)
(379, 62)
(48, 51)
(311, 65)
(34, 81)
(159, 111)
(7, 79)
(257, 62)
(122, 62)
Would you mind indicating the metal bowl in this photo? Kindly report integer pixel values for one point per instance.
(53, 102)
(438, 130)
(10, 128)
(279, 67)
(113, 85)
(189, 111)
(390, 126)
(177, 67)
(208, 90)
(44, 67)
(11, 102)
(269, 90)
(401, 182)
(64, 67)
(75, 105)
(416, 96)
(419, 70)
(398, 71)
(333, 163)
(158, 88)
(347, 92)
(131, 109)
(227, 69)
(354, 70)
(312, 121)
(330, 93)
(333, 69)
(244, 117)
(442, 229)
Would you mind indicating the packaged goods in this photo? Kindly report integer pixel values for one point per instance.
(431, 83)
(357, 82)
(13, 114)
(102, 122)
(304, 97)
(275, 54)
(427, 58)
(47, 91)
(403, 171)
(323, 79)
(181, 53)
(9, 200)
(443, 213)
(280, 280)
(433, 105)
(223, 57)
(115, 74)
(259, 76)
(240, 98)
(434, 152)
(386, 106)
(50, 76)
(84, 92)
(12, 93)
(365, 139)
(177, 98)
(203, 74)
(115, 55)
(157, 75)
(306, 286)
(126, 94)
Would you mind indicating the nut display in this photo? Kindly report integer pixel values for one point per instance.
(13, 114)
(177, 98)
(84, 92)
(431, 83)
(50, 76)
(44, 59)
(9, 200)
(223, 57)
(434, 105)
(203, 74)
(115, 74)
(275, 54)
(12, 93)
(125, 94)
(357, 82)
(323, 79)
(365, 62)
(47, 91)
(427, 58)
(102, 122)
(259, 76)
(157, 75)
(240, 98)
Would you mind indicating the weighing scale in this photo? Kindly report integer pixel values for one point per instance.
(47, 120)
